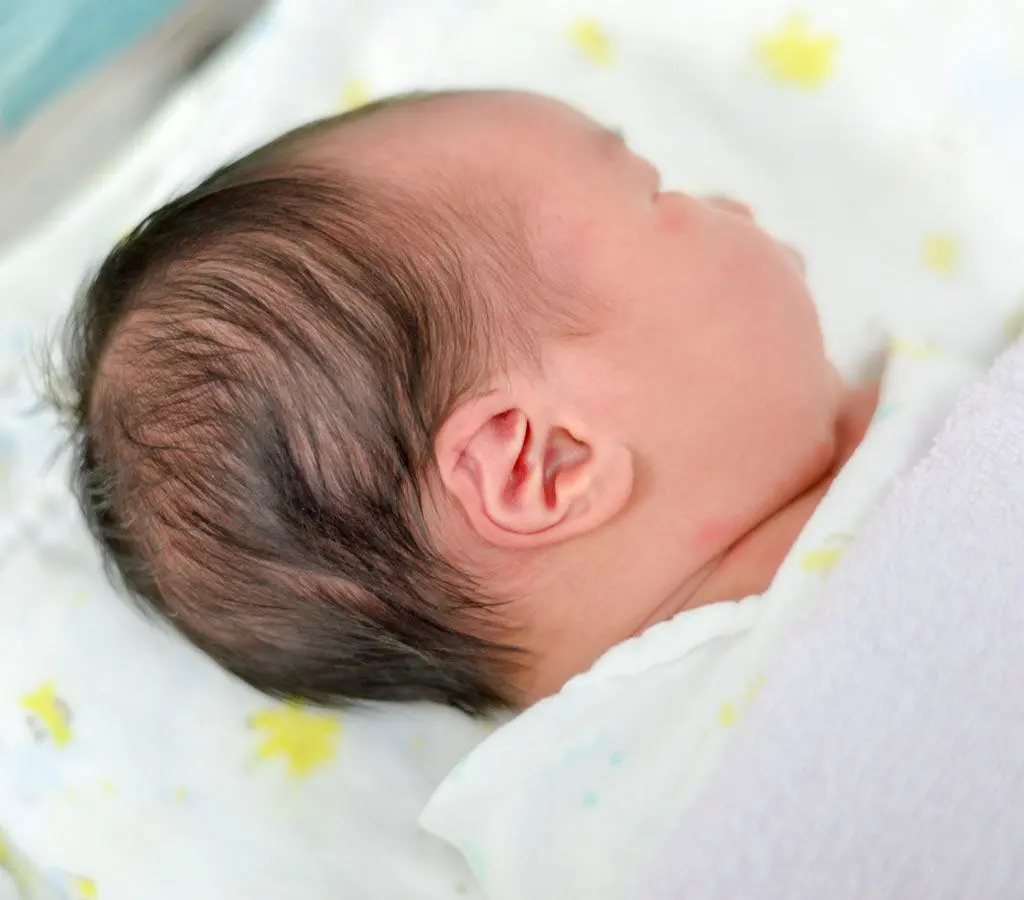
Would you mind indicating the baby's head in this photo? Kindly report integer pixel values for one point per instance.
(439, 400)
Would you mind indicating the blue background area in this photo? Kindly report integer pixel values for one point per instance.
(47, 45)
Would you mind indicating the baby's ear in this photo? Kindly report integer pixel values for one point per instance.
(526, 473)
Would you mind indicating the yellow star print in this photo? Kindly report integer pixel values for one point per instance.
(304, 739)
(913, 349)
(753, 689)
(823, 560)
(51, 711)
(797, 56)
(85, 889)
(940, 253)
(14, 864)
(590, 38)
(728, 715)
(355, 94)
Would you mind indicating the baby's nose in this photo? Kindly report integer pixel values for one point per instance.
(727, 204)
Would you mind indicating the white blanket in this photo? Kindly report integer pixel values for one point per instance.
(884, 757)
(571, 798)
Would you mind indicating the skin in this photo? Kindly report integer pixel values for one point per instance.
(667, 458)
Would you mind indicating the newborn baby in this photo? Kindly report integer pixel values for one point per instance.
(443, 398)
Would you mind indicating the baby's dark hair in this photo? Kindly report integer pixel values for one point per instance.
(255, 377)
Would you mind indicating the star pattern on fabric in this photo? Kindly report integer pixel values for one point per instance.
(354, 94)
(941, 253)
(914, 349)
(823, 559)
(84, 888)
(305, 740)
(796, 55)
(51, 712)
(590, 37)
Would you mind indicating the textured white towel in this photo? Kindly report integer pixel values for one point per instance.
(884, 757)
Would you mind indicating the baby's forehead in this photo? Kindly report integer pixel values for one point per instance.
(506, 166)
(474, 137)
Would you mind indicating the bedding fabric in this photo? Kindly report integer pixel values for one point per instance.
(877, 136)
(78, 78)
(885, 755)
(571, 798)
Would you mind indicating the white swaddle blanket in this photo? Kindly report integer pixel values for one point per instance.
(571, 798)
(885, 756)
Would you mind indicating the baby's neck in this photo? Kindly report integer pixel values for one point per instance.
(750, 564)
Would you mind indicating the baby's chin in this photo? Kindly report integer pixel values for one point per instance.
(837, 388)
(822, 452)
(859, 405)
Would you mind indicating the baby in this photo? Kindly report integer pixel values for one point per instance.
(443, 398)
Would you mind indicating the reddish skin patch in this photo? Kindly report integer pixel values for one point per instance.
(713, 534)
